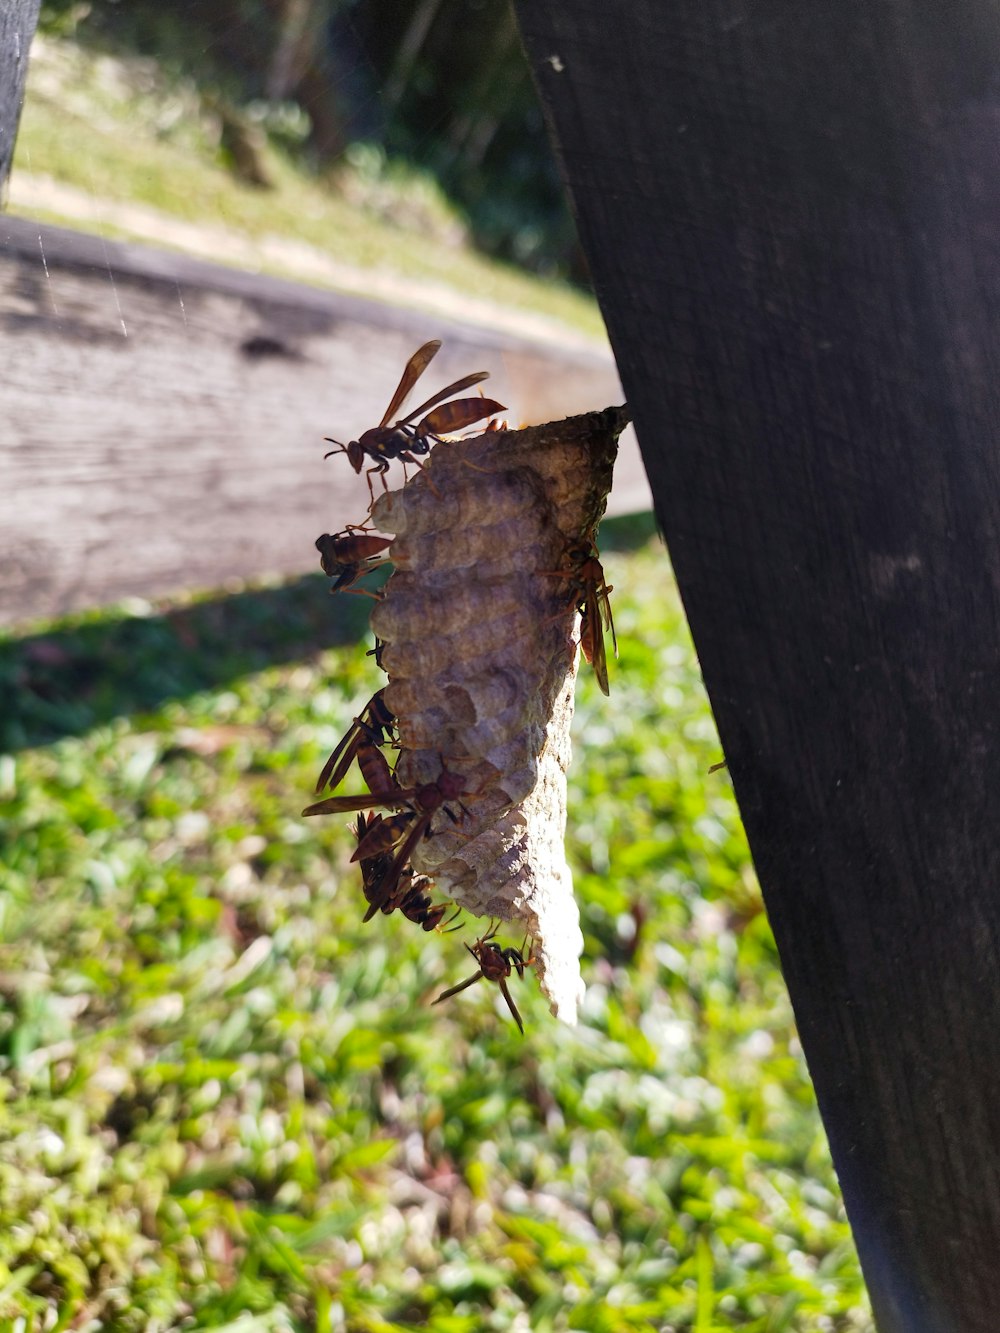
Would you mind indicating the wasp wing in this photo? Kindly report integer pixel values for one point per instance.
(376, 729)
(415, 367)
(382, 836)
(342, 805)
(606, 615)
(592, 642)
(439, 397)
(334, 772)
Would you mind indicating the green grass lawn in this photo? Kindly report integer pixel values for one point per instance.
(227, 1103)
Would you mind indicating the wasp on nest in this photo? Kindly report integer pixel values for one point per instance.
(495, 564)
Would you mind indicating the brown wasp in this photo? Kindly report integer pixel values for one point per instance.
(410, 898)
(418, 908)
(374, 727)
(375, 866)
(420, 804)
(495, 964)
(592, 596)
(347, 556)
(408, 436)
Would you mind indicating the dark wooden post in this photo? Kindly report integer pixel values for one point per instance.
(17, 27)
(791, 215)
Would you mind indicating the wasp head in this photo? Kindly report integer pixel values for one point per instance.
(355, 455)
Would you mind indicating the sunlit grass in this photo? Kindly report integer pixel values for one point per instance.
(119, 131)
(224, 1096)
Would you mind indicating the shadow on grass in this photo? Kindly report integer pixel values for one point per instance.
(84, 672)
(628, 532)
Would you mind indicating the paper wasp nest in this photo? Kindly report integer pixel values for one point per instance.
(480, 643)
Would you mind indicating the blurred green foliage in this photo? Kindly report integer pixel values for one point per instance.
(225, 1103)
(142, 136)
(397, 93)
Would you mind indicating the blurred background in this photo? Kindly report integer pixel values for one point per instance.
(225, 1102)
(421, 115)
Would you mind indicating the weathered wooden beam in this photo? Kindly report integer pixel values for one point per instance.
(17, 27)
(163, 418)
(790, 213)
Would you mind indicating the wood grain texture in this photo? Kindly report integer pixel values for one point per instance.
(164, 418)
(17, 28)
(790, 216)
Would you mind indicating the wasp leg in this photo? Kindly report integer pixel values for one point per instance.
(408, 458)
(446, 995)
(510, 1003)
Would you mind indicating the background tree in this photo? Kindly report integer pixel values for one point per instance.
(17, 27)
(443, 85)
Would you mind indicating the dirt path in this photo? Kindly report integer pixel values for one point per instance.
(31, 195)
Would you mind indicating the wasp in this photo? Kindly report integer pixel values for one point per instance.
(375, 864)
(374, 726)
(592, 598)
(495, 964)
(408, 436)
(418, 908)
(347, 556)
(411, 897)
(419, 806)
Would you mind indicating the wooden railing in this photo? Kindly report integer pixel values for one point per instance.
(164, 417)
